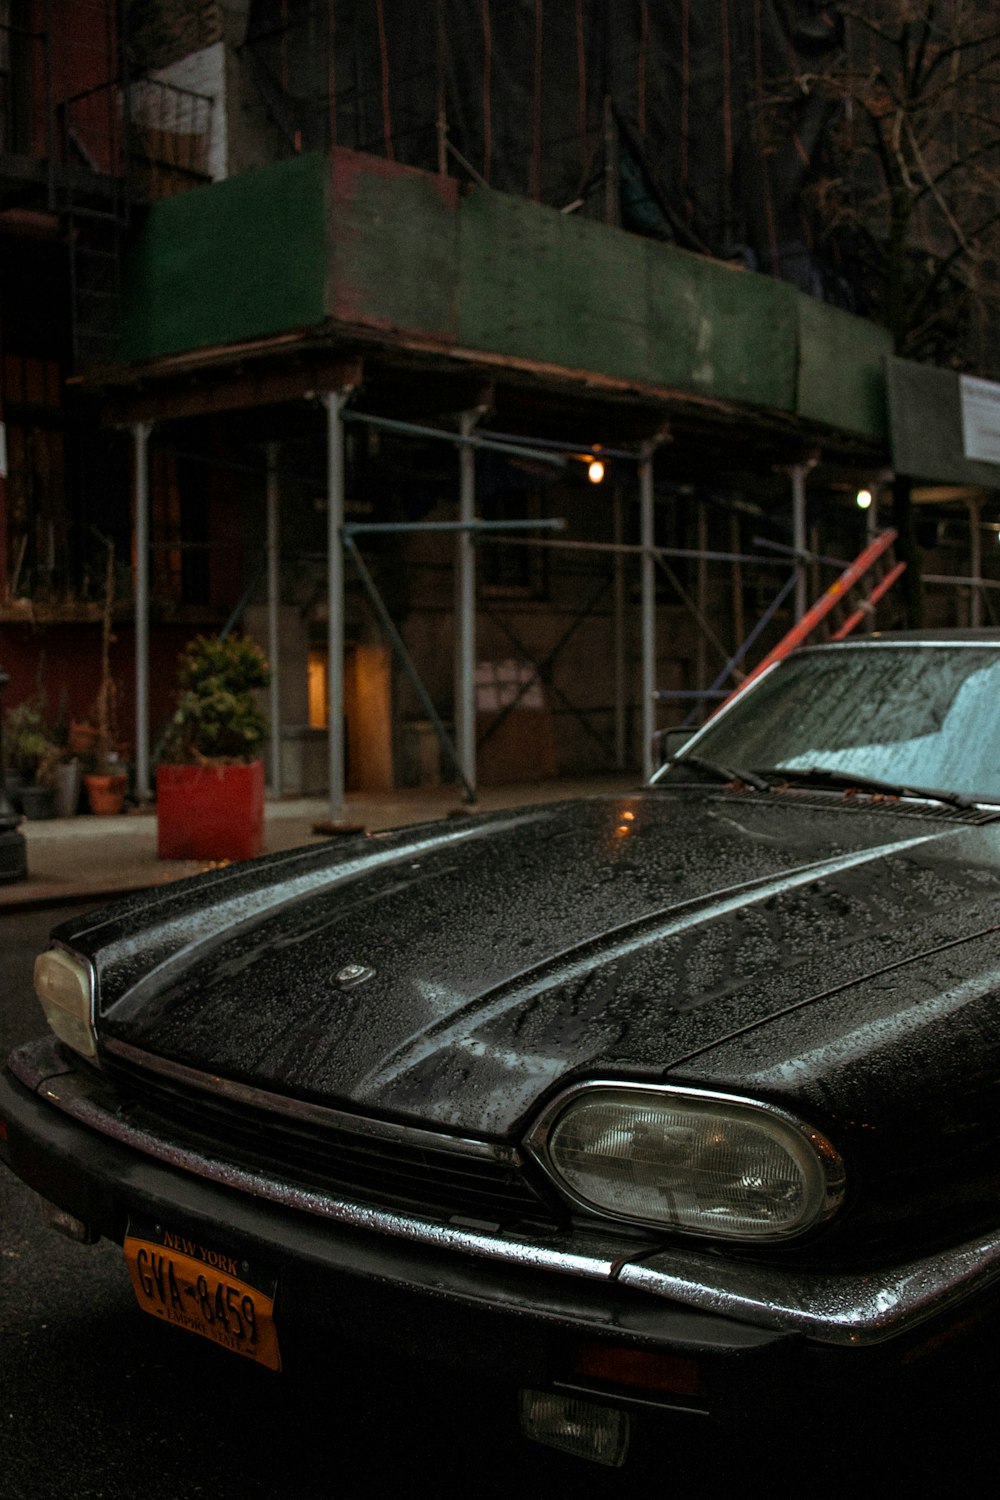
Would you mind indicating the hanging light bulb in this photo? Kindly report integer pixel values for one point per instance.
(595, 471)
(864, 499)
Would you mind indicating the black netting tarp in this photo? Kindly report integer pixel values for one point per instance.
(647, 113)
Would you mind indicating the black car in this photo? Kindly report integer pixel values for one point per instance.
(673, 1106)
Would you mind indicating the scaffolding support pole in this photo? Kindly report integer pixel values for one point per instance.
(140, 448)
(465, 610)
(621, 748)
(273, 607)
(334, 404)
(701, 593)
(798, 473)
(648, 597)
(871, 519)
(976, 561)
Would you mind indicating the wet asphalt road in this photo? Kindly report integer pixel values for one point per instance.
(98, 1402)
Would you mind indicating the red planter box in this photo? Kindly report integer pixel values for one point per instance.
(210, 812)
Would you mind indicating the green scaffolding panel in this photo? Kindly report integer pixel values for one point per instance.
(349, 242)
(720, 331)
(928, 440)
(842, 369)
(540, 285)
(231, 261)
(393, 247)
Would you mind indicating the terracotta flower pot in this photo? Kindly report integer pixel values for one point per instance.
(106, 794)
(210, 812)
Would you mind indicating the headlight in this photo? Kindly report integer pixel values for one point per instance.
(63, 985)
(682, 1159)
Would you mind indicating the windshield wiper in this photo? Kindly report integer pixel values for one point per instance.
(821, 776)
(721, 773)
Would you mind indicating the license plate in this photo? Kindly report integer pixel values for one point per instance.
(206, 1290)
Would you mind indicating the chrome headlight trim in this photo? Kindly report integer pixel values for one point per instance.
(808, 1148)
(74, 1023)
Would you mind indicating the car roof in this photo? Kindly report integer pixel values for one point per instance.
(957, 636)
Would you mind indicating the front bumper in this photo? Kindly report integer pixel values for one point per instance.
(713, 1336)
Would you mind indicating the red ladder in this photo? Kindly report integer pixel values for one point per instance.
(836, 594)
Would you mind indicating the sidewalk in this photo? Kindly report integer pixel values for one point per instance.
(91, 858)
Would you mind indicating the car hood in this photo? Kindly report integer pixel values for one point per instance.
(456, 975)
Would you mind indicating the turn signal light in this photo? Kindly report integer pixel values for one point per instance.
(642, 1369)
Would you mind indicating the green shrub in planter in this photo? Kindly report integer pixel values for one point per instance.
(210, 780)
(217, 716)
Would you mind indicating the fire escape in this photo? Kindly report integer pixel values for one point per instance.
(82, 140)
(153, 136)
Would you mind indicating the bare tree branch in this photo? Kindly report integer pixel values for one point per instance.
(950, 219)
(850, 14)
(908, 184)
(958, 165)
(947, 264)
(965, 45)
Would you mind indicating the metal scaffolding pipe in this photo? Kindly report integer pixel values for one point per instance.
(461, 439)
(811, 555)
(954, 580)
(465, 609)
(626, 548)
(140, 446)
(334, 403)
(560, 445)
(391, 528)
(798, 473)
(648, 594)
(273, 607)
(621, 746)
(976, 563)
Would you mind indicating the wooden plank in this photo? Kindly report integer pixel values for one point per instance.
(209, 393)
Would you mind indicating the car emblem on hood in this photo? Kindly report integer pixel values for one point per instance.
(352, 974)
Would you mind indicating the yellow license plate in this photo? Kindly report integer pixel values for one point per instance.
(204, 1290)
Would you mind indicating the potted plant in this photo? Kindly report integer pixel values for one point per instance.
(32, 756)
(210, 778)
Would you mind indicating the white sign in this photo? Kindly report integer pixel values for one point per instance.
(499, 683)
(980, 419)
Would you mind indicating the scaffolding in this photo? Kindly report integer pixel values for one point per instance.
(345, 540)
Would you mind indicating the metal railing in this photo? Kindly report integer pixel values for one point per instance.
(171, 127)
(149, 125)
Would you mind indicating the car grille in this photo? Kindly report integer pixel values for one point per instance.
(380, 1169)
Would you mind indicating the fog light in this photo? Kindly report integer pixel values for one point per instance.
(573, 1426)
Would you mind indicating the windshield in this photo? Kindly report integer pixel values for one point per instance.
(925, 716)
